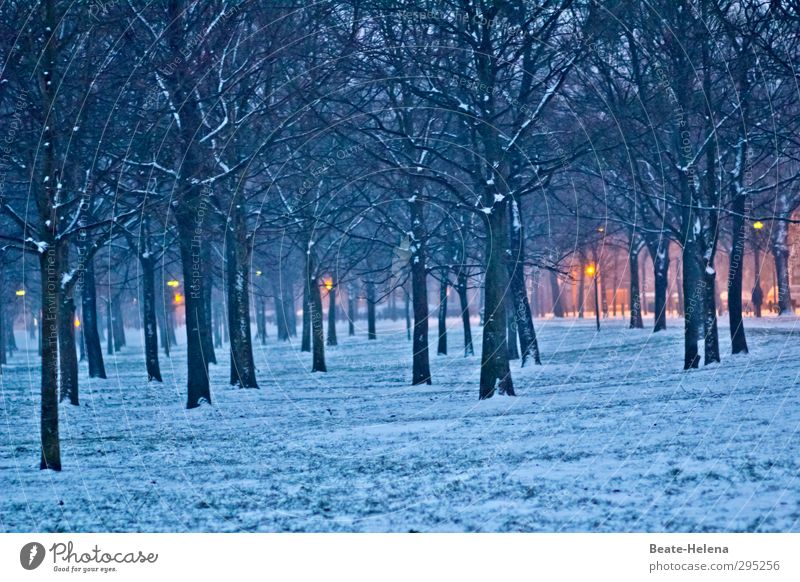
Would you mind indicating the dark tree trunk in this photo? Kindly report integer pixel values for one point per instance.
(371, 333)
(351, 311)
(50, 269)
(421, 369)
(237, 258)
(118, 324)
(332, 341)
(735, 273)
(315, 316)
(495, 370)
(407, 311)
(109, 329)
(658, 247)
(281, 320)
(261, 320)
(635, 295)
(555, 291)
(67, 349)
(305, 345)
(693, 303)
(161, 316)
(758, 293)
(149, 317)
(461, 288)
(217, 313)
(189, 220)
(206, 336)
(521, 307)
(91, 335)
(582, 288)
(511, 338)
(442, 344)
(3, 319)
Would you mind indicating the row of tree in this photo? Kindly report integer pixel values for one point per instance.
(384, 142)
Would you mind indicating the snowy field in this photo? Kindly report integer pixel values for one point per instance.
(608, 435)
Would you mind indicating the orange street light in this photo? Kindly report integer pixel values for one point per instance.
(178, 299)
(328, 284)
(590, 270)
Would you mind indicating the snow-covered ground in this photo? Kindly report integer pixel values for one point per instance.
(608, 435)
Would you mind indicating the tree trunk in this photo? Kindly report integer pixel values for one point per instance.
(206, 336)
(237, 258)
(735, 274)
(118, 324)
(281, 320)
(555, 291)
(407, 311)
(658, 247)
(371, 333)
(582, 288)
(441, 348)
(91, 335)
(351, 310)
(511, 326)
(635, 296)
(149, 318)
(261, 320)
(189, 220)
(305, 345)
(315, 316)
(161, 316)
(67, 349)
(780, 252)
(421, 370)
(521, 307)
(495, 370)
(693, 303)
(461, 288)
(50, 270)
(332, 341)
(109, 329)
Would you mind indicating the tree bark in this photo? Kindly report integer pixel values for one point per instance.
(461, 288)
(371, 333)
(495, 370)
(305, 344)
(237, 259)
(555, 291)
(521, 308)
(149, 317)
(735, 274)
(315, 316)
(421, 370)
(332, 341)
(780, 252)
(635, 295)
(441, 348)
(658, 247)
(351, 310)
(91, 335)
(118, 324)
(67, 350)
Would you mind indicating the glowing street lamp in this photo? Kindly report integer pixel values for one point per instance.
(77, 322)
(20, 293)
(591, 271)
(173, 283)
(758, 225)
(328, 284)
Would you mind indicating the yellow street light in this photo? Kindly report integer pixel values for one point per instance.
(173, 283)
(20, 293)
(590, 270)
(178, 299)
(258, 273)
(758, 225)
(328, 284)
(77, 323)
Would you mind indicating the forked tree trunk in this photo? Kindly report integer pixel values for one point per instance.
(521, 307)
(495, 370)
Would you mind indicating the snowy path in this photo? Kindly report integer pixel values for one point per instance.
(608, 435)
